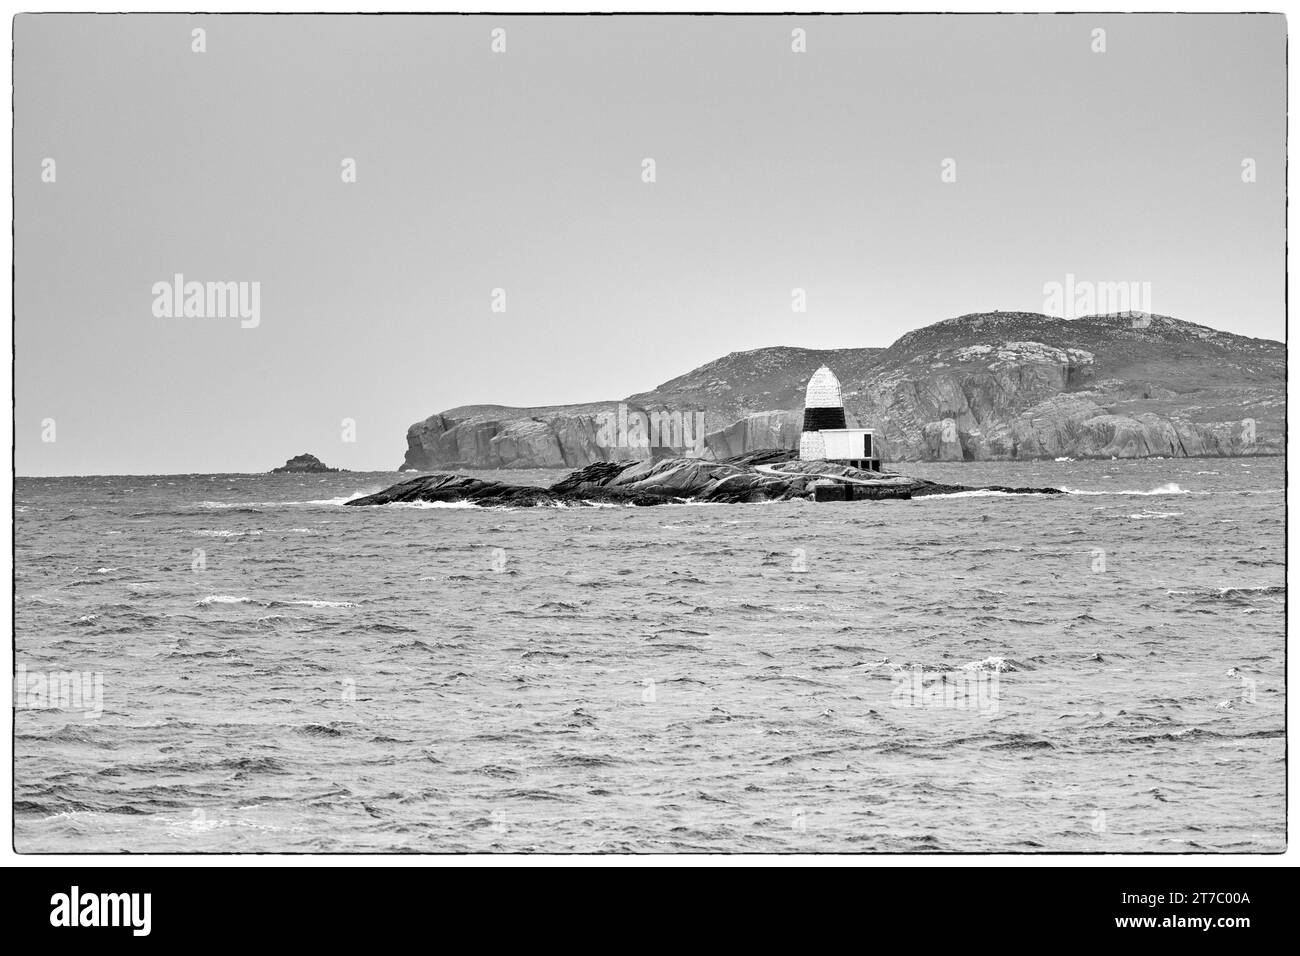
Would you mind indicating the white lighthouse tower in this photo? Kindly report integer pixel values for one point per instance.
(826, 435)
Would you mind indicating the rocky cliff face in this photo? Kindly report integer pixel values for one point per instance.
(498, 437)
(978, 387)
(1021, 385)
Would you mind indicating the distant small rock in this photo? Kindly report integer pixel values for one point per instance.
(300, 464)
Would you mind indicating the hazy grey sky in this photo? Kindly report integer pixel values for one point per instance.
(522, 171)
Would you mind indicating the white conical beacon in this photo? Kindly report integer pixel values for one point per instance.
(826, 435)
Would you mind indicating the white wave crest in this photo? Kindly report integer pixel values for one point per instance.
(431, 504)
(335, 501)
(1169, 488)
(977, 493)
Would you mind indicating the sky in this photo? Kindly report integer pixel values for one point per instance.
(518, 178)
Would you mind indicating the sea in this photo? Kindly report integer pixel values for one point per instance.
(240, 663)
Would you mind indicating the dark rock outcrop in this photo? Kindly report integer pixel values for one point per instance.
(767, 475)
(304, 463)
(990, 386)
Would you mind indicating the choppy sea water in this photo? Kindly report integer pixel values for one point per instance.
(1101, 671)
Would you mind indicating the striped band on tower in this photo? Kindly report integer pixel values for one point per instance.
(815, 419)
